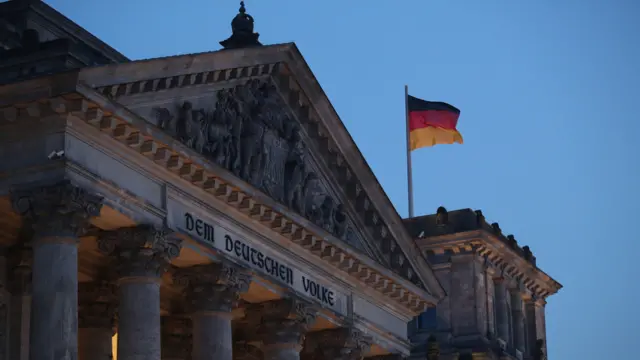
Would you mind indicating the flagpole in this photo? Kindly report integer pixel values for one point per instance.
(409, 174)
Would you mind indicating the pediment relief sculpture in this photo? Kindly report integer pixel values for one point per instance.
(249, 132)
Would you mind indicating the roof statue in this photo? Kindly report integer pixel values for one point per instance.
(242, 31)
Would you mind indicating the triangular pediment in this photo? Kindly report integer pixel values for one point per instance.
(260, 115)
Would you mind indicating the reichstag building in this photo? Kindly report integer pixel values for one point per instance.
(213, 206)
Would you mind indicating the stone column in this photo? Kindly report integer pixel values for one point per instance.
(176, 338)
(336, 344)
(96, 320)
(284, 324)
(502, 317)
(530, 324)
(142, 255)
(541, 331)
(491, 293)
(59, 215)
(20, 303)
(517, 316)
(212, 291)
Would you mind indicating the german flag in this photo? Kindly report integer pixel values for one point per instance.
(431, 123)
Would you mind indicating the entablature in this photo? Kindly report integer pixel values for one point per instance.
(503, 260)
(116, 122)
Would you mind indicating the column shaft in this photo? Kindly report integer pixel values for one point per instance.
(212, 292)
(139, 319)
(518, 321)
(58, 214)
(20, 304)
(142, 255)
(54, 305)
(530, 310)
(502, 318)
(212, 336)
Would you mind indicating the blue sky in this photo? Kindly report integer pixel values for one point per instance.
(549, 93)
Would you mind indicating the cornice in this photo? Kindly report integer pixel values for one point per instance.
(495, 251)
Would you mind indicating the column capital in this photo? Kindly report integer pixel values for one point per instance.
(176, 337)
(57, 211)
(338, 344)
(283, 322)
(97, 305)
(212, 287)
(141, 251)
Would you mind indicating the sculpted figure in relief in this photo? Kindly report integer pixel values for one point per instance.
(248, 132)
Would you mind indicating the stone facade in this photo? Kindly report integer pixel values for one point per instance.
(496, 294)
(204, 206)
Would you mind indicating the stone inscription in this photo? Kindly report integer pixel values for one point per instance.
(261, 260)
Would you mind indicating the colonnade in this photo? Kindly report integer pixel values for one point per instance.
(71, 320)
(519, 318)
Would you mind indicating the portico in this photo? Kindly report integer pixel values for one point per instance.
(207, 206)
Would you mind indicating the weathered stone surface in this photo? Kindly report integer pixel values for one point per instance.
(58, 213)
(141, 251)
(60, 210)
(139, 320)
(283, 323)
(54, 304)
(250, 132)
(212, 291)
(336, 344)
(212, 288)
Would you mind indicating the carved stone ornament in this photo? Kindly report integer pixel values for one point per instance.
(212, 287)
(338, 344)
(58, 210)
(282, 322)
(243, 35)
(251, 133)
(97, 305)
(141, 251)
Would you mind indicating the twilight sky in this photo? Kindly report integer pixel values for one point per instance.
(549, 94)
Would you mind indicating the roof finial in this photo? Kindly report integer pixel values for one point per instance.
(242, 31)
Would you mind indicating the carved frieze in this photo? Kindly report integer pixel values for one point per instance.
(250, 132)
